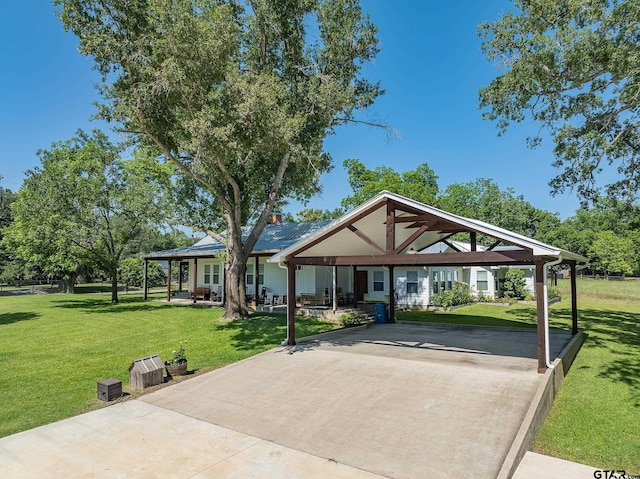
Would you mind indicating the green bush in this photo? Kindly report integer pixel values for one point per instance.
(456, 296)
(349, 320)
(514, 286)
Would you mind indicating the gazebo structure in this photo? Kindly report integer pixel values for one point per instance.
(390, 231)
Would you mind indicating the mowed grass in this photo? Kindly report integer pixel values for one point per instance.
(54, 348)
(595, 419)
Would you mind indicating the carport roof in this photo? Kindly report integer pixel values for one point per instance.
(365, 233)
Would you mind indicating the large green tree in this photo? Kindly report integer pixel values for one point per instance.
(574, 67)
(612, 253)
(85, 206)
(484, 200)
(420, 184)
(239, 95)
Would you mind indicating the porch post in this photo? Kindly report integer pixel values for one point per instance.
(180, 273)
(291, 304)
(355, 298)
(574, 300)
(195, 278)
(474, 244)
(169, 282)
(335, 288)
(255, 281)
(392, 296)
(145, 281)
(540, 328)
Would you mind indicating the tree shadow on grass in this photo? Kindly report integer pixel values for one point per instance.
(104, 305)
(267, 330)
(618, 334)
(9, 318)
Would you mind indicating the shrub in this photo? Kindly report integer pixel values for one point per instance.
(349, 320)
(514, 285)
(456, 296)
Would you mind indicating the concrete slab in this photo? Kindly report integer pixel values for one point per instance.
(403, 401)
(138, 440)
(398, 401)
(538, 466)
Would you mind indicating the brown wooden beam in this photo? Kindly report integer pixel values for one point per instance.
(414, 218)
(332, 232)
(365, 238)
(493, 245)
(355, 300)
(540, 328)
(195, 278)
(452, 246)
(574, 300)
(392, 293)
(391, 228)
(291, 304)
(256, 285)
(169, 282)
(414, 236)
(145, 283)
(475, 258)
(474, 240)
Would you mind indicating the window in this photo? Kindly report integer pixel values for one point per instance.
(207, 274)
(412, 282)
(250, 269)
(481, 281)
(216, 274)
(378, 280)
(249, 279)
(444, 279)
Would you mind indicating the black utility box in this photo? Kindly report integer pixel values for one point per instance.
(109, 389)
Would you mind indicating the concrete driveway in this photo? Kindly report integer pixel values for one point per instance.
(398, 401)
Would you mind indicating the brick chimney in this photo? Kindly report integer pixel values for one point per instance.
(275, 218)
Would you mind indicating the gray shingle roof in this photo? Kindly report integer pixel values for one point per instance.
(274, 238)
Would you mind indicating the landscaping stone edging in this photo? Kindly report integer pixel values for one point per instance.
(540, 406)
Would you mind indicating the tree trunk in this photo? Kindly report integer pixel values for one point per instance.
(235, 301)
(114, 286)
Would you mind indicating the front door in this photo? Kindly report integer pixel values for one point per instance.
(361, 286)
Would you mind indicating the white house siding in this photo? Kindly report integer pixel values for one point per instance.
(473, 281)
(213, 286)
(406, 299)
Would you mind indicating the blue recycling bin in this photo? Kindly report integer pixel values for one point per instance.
(380, 312)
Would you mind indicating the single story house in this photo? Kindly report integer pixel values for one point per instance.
(390, 249)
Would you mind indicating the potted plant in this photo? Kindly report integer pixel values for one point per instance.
(177, 365)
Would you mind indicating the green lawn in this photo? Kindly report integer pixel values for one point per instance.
(55, 347)
(595, 419)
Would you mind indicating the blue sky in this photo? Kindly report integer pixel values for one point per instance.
(430, 65)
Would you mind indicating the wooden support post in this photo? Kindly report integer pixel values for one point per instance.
(392, 296)
(291, 304)
(540, 328)
(195, 278)
(574, 301)
(355, 298)
(256, 286)
(180, 276)
(169, 281)
(391, 228)
(145, 282)
(335, 288)
(474, 241)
